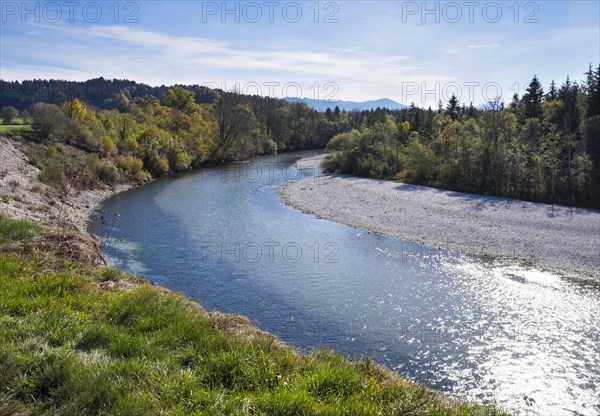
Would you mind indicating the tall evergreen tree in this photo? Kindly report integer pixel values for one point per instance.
(553, 93)
(532, 100)
(336, 112)
(471, 111)
(569, 94)
(593, 91)
(452, 108)
(329, 114)
(516, 106)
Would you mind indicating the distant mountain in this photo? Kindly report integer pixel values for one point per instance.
(485, 106)
(322, 105)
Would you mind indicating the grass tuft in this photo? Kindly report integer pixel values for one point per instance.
(15, 230)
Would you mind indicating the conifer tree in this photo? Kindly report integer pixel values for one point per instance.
(532, 100)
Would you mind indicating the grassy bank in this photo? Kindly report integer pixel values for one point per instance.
(7, 128)
(83, 340)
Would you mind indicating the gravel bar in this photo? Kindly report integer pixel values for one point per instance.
(562, 238)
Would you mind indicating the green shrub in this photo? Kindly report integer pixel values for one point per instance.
(333, 162)
(129, 164)
(344, 141)
(62, 165)
(142, 176)
(182, 161)
(8, 115)
(270, 147)
(107, 145)
(92, 160)
(160, 166)
(107, 172)
(54, 175)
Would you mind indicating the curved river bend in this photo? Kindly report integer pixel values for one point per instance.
(472, 327)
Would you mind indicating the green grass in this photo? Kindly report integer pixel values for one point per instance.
(9, 128)
(71, 346)
(16, 120)
(11, 230)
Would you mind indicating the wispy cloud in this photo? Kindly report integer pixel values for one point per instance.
(484, 46)
(161, 58)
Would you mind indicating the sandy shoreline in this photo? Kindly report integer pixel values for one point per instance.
(22, 195)
(562, 238)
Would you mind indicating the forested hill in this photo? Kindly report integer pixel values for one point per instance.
(99, 92)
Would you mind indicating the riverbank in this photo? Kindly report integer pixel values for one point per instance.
(562, 238)
(24, 196)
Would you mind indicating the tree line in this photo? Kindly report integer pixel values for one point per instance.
(100, 93)
(543, 146)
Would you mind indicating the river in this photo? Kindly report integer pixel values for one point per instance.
(477, 328)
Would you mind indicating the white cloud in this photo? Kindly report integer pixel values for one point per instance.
(484, 46)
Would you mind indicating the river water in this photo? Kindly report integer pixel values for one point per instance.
(477, 328)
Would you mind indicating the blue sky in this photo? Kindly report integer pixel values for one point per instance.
(351, 50)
